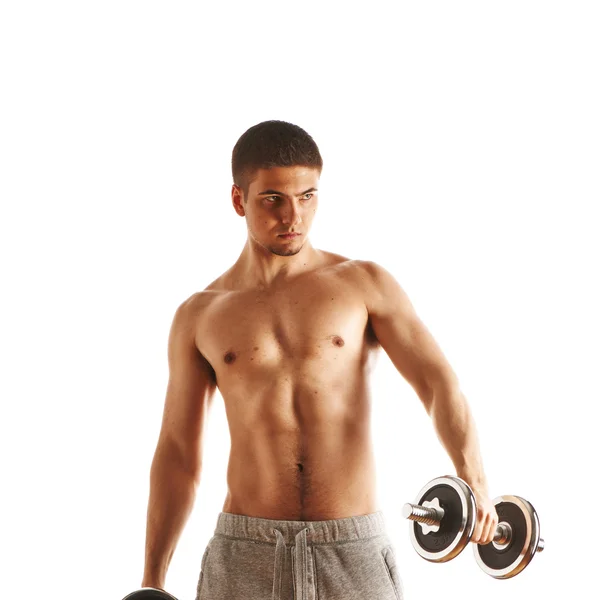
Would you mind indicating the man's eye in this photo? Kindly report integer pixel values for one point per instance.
(272, 199)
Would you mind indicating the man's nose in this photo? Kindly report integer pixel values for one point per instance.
(291, 214)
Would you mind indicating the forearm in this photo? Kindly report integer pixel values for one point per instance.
(455, 428)
(171, 499)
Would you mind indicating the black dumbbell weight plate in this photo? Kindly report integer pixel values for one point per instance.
(457, 525)
(149, 594)
(505, 561)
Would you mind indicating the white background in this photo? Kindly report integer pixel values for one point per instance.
(461, 151)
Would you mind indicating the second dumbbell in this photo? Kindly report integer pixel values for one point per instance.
(445, 515)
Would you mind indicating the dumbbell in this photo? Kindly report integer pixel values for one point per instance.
(444, 516)
(149, 594)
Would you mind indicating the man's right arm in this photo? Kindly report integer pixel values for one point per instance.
(177, 463)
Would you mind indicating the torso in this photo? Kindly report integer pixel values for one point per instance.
(292, 365)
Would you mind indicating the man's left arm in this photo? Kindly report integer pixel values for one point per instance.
(419, 359)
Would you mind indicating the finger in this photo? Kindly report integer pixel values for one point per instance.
(488, 531)
(493, 521)
(478, 528)
(493, 526)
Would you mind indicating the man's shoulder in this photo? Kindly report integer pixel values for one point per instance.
(340, 263)
(364, 270)
(355, 271)
(375, 282)
(199, 301)
(370, 271)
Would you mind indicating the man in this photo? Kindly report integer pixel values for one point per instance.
(287, 334)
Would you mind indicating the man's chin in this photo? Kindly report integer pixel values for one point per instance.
(285, 251)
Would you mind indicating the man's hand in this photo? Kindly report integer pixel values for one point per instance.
(487, 517)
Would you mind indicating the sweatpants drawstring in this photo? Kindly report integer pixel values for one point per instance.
(300, 573)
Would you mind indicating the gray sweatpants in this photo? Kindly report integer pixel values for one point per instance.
(263, 559)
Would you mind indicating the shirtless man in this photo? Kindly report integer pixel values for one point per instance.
(289, 334)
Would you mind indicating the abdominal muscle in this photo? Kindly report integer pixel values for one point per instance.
(304, 461)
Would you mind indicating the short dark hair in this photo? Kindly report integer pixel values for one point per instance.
(272, 144)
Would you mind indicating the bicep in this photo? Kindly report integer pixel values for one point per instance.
(403, 335)
(190, 389)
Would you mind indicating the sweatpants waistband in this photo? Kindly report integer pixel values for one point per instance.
(318, 532)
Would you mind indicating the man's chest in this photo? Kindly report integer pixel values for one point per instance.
(294, 325)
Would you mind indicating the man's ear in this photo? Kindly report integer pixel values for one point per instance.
(237, 199)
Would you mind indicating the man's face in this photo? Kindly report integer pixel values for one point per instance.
(280, 200)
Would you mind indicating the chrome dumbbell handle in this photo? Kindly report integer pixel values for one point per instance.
(423, 514)
(433, 517)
